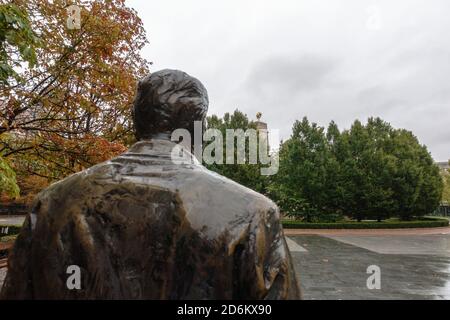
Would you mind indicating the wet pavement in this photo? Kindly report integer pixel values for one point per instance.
(11, 220)
(2, 276)
(411, 266)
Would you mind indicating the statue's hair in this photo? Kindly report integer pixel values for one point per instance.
(167, 100)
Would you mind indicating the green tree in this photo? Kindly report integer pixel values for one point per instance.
(370, 171)
(17, 41)
(446, 188)
(246, 174)
(8, 183)
(365, 170)
(304, 184)
(387, 172)
(335, 173)
(416, 181)
(17, 45)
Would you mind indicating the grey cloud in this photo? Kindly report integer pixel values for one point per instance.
(289, 74)
(318, 59)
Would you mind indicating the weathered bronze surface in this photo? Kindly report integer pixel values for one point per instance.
(142, 226)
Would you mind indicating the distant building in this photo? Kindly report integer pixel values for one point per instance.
(444, 208)
(262, 127)
(259, 124)
(444, 165)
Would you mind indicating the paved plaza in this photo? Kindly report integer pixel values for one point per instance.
(2, 276)
(411, 266)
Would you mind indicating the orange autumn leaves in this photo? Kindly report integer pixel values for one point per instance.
(73, 108)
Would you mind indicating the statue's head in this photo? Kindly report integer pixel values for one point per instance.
(168, 100)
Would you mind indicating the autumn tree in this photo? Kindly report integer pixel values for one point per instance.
(17, 46)
(73, 109)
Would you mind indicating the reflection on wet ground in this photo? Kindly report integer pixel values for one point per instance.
(2, 276)
(335, 267)
(11, 220)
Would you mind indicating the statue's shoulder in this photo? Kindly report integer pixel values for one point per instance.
(75, 186)
(218, 187)
(63, 186)
(219, 204)
(94, 189)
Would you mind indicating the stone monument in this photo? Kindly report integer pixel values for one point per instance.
(143, 227)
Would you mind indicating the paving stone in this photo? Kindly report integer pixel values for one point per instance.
(343, 275)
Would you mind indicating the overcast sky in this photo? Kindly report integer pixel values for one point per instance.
(324, 59)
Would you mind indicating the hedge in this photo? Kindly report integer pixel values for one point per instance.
(428, 223)
(295, 224)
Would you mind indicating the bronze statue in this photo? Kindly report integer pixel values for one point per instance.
(143, 227)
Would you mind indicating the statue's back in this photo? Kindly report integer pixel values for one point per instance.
(142, 226)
